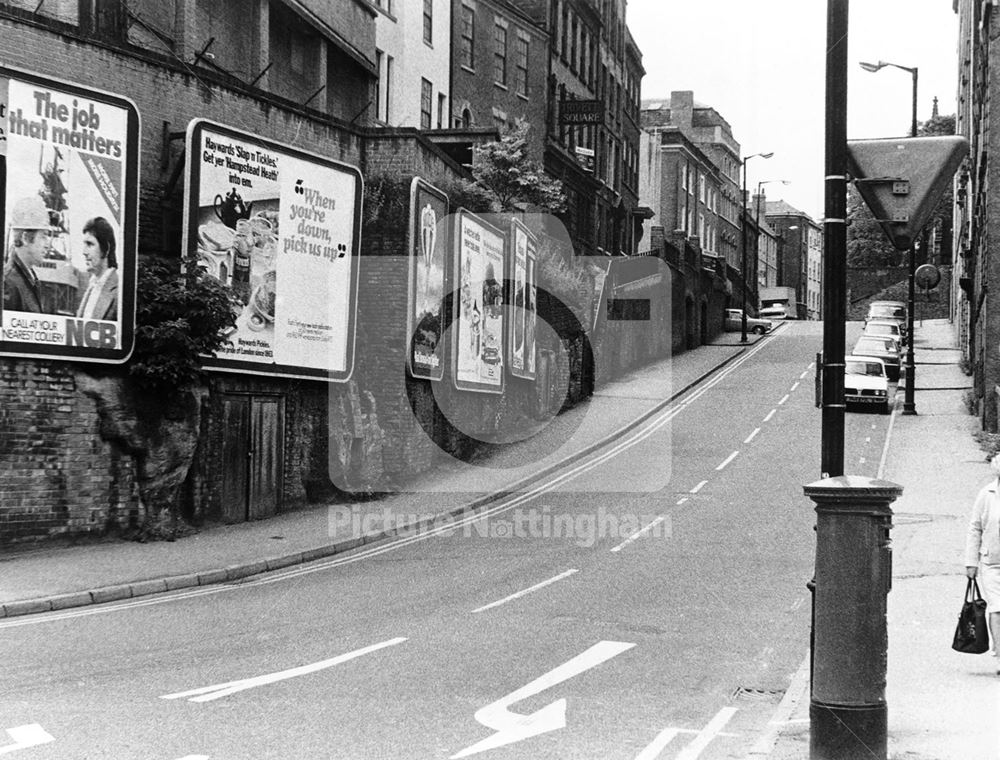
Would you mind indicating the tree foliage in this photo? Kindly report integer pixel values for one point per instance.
(180, 317)
(510, 178)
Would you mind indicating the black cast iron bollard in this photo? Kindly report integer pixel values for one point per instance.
(848, 712)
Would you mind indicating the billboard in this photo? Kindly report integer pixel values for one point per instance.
(478, 326)
(281, 228)
(428, 248)
(69, 175)
(523, 298)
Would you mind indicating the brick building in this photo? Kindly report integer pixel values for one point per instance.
(975, 303)
(800, 255)
(706, 128)
(413, 58)
(682, 186)
(499, 69)
(291, 72)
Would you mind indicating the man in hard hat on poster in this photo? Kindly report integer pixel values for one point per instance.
(30, 238)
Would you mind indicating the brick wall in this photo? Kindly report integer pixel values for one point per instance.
(56, 474)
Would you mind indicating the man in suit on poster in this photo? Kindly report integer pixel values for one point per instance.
(100, 299)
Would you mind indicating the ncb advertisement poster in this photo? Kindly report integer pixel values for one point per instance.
(69, 166)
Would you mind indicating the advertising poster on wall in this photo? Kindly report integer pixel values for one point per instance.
(479, 308)
(69, 172)
(521, 335)
(280, 227)
(429, 245)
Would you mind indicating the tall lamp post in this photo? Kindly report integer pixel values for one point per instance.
(756, 222)
(743, 237)
(909, 407)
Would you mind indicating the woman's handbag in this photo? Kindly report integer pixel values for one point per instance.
(972, 635)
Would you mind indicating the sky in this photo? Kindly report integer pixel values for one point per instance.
(762, 66)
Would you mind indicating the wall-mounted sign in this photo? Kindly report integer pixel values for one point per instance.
(429, 245)
(69, 177)
(280, 227)
(581, 112)
(585, 156)
(523, 299)
(478, 327)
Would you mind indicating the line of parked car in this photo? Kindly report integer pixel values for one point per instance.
(877, 357)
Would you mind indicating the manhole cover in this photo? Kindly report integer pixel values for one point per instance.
(748, 692)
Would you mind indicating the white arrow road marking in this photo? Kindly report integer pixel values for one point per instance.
(219, 690)
(30, 735)
(709, 732)
(526, 591)
(511, 727)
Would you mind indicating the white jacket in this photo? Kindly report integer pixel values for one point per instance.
(982, 543)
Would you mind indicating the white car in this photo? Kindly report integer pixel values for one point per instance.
(884, 328)
(866, 382)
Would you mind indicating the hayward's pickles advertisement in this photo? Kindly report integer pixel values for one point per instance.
(428, 248)
(479, 307)
(280, 228)
(69, 170)
(523, 260)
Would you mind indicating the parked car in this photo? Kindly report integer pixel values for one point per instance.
(889, 310)
(734, 322)
(866, 382)
(880, 347)
(774, 312)
(884, 327)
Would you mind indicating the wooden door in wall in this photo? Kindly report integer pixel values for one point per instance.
(253, 442)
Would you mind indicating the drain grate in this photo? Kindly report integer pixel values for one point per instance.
(748, 692)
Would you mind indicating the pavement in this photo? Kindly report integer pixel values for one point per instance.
(941, 704)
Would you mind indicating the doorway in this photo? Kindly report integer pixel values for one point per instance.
(253, 443)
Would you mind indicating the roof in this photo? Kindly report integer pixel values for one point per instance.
(781, 208)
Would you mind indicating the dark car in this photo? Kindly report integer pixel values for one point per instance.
(881, 347)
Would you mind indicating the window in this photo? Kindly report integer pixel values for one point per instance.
(385, 5)
(441, 104)
(521, 67)
(468, 51)
(426, 98)
(379, 55)
(500, 55)
(429, 21)
(385, 89)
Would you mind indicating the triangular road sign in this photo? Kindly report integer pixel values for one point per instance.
(902, 179)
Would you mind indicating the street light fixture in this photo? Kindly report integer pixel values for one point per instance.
(743, 237)
(909, 407)
(756, 222)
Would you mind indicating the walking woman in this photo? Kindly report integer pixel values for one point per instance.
(982, 549)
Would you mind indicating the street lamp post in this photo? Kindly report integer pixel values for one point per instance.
(756, 222)
(743, 237)
(909, 407)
